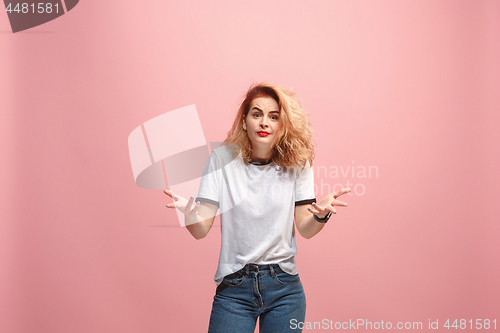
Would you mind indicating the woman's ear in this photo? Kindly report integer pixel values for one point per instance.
(244, 124)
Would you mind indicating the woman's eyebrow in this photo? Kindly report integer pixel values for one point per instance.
(259, 109)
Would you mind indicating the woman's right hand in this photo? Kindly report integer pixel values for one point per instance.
(187, 207)
(199, 218)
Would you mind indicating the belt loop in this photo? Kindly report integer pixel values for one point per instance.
(247, 271)
(271, 269)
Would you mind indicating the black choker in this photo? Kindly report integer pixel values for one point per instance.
(261, 163)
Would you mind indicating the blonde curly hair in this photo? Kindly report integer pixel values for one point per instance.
(294, 145)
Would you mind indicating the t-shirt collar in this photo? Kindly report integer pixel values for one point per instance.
(261, 163)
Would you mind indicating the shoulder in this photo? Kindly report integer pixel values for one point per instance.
(302, 168)
(226, 153)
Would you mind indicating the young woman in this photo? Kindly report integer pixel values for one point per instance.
(261, 180)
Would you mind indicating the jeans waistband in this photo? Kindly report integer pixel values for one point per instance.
(260, 268)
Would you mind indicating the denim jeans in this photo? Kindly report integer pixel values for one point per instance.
(258, 291)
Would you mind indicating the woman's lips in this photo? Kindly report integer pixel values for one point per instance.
(262, 133)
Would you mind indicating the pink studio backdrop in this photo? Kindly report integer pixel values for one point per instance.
(408, 88)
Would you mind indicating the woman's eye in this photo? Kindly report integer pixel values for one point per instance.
(274, 117)
(256, 114)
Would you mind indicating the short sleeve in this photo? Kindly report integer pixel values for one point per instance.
(304, 186)
(209, 191)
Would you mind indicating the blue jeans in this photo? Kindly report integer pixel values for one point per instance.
(258, 291)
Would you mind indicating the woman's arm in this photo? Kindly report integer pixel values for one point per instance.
(304, 220)
(306, 225)
(198, 217)
(206, 216)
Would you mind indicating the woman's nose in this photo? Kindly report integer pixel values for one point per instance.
(263, 122)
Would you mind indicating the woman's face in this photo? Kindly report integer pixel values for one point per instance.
(262, 122)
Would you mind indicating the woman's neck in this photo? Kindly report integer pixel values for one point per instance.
(262, 154)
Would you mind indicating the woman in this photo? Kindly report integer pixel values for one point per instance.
(261, 180)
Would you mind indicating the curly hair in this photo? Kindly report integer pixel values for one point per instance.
(294, 145)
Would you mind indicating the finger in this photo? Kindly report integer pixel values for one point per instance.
(189, 204)
(338, 203)
(196, 207)
(171, 205)
(180, 208)
(340, 192)
(314, 211)
(319, 208)
(333, 210)
(171, 194)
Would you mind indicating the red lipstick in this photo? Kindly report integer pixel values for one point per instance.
(263, 133)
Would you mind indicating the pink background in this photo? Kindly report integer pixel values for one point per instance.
(411, 87)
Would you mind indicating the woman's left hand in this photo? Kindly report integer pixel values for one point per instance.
(328, 203)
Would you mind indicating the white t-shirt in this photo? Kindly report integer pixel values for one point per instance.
(256, 203)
